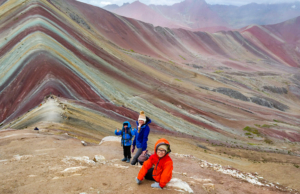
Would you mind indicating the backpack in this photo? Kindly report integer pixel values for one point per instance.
(129, 133)
(143, 157)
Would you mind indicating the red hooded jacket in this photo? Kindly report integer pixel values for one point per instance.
(163, 167)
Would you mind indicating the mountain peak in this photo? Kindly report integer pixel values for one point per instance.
(134, 4)
(137, 2)
(111, 7)
(193, 2)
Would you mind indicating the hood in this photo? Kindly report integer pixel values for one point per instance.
(148, 121)
(126, 122)
(162, 142)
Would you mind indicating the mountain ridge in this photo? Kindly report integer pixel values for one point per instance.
(187, 15)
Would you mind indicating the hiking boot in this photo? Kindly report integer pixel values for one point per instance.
(124, 159)
(128, 160)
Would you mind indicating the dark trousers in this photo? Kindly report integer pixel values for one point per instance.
(149, 175)
(136, 156)
(127, 151)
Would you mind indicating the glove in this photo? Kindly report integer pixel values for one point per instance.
(155, 185)
(133, 147)
(138, 181)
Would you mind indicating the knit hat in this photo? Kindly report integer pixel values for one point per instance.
(164, 146)
(142, 116)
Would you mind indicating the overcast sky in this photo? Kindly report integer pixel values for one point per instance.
(102, 3)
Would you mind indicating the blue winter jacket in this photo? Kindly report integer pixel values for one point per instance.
(126, 135)
(140, 139)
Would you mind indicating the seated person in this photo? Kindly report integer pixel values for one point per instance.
(163, 166)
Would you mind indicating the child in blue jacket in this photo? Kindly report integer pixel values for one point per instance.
(126, 133)
(141, 136)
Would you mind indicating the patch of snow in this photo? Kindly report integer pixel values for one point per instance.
(248, 177)
(32, 175)
(114, 160)
(45, 149)
(76, 175)
(82, 159)
(233, 172)
(55, 168)
(53, 110)
(9, 136)
(110, 138)
(120, 166)
(3, 160)
(175, 182)
(15, 135)
(201, 180)
(74, 169)
(184, 155)
(252, 178)
(18, 157)
(175, 172)
(181, 191)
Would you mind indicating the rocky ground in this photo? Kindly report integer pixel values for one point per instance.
(50, 161)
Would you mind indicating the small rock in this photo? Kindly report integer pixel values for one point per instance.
(84, 143)
(192, 183)
(100, 159)
(208, 187)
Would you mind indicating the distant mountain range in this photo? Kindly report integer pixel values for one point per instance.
(261, 14)
(197, 15)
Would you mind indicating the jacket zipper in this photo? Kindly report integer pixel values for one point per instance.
(156, 166)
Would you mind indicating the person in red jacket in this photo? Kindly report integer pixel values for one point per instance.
(163, 166)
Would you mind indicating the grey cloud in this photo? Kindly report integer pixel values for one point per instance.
(102, 3)
(121, 2)
(244, 2)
